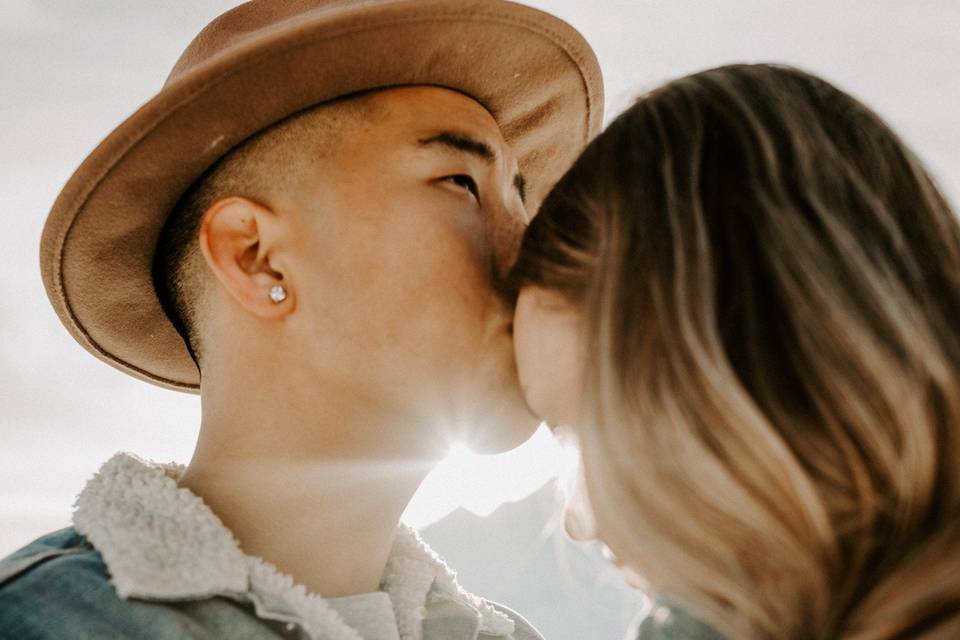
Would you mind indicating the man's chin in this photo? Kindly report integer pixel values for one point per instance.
(506, 427)
(504, 420)
(492, 414)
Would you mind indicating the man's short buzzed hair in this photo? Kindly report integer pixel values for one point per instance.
(268, 162)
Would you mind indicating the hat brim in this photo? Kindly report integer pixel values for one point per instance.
(532, 71)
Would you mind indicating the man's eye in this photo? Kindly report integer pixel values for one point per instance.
(465, 181)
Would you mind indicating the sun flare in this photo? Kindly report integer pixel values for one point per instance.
(481, 483)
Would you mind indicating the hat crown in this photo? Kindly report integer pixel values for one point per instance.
(250, 22)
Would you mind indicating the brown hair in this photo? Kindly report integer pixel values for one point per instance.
(769, 287)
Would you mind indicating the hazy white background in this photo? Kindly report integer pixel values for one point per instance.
(72, 70)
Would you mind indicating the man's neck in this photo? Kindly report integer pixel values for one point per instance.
(317, 491)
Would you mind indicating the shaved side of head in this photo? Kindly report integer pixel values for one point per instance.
(271, 162)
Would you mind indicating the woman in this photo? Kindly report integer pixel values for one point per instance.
(744, 302)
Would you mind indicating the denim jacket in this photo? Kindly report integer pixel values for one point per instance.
(662, 621)
(146, 559)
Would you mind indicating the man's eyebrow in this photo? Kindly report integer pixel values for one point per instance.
(461, 142)
(468, 144)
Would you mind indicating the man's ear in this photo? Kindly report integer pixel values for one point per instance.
(240, 240)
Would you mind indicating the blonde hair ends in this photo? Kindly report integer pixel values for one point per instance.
(770, 288)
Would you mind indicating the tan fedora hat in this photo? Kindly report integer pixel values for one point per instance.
(252, 67)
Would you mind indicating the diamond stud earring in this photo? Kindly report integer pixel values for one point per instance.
(278, 294)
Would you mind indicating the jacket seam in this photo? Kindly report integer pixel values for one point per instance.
(23, 565)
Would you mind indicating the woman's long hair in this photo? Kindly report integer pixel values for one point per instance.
(769, 288)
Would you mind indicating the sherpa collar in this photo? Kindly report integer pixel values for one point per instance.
(162, 542)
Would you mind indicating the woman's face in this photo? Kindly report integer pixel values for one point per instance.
(546, 338)
(550, 360)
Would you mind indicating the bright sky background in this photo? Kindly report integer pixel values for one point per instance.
(72, 70)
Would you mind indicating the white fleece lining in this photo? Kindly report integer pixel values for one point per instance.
(162, 542)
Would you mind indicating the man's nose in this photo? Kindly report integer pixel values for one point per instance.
(505, 237)
(505, 233)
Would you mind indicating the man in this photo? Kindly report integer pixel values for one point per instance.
(306, 225)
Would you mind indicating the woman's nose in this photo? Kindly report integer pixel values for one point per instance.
(577, 529)
(578, 521)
